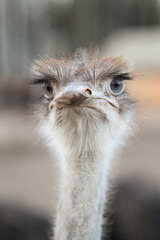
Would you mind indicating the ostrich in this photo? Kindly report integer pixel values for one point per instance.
(86, 114)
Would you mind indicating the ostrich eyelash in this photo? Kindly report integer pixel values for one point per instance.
(123, 76)
(37, 81)
(44, 79)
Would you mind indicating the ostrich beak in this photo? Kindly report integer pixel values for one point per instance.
(77, 96)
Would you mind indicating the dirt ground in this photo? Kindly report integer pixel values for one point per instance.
(27, 177)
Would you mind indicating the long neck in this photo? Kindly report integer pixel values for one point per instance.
(82, 196)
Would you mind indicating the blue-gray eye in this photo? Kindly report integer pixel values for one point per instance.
(47, 89)
(117, 86)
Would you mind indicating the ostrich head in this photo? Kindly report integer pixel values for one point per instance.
(86, 113)
(85, 100)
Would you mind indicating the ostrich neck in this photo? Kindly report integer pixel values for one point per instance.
(82, 196)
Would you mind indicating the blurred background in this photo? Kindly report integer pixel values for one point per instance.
(33, 28)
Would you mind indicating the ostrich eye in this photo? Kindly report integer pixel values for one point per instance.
(47, 89)
(117, 86)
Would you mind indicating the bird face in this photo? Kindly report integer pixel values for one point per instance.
(84, 95)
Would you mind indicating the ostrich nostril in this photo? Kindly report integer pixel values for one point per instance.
(88, 91)
(50, 107)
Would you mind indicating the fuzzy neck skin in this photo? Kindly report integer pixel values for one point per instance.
(83, 195)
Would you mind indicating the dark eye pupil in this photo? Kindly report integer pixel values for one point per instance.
(117, 86)
(49, 88)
